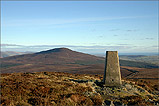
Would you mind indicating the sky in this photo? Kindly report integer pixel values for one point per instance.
(85, 26)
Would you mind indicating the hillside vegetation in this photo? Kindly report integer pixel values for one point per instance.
(61, 60)
(54, 88)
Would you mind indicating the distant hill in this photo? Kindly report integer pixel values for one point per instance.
(65, 60)
(58, 59)
(53, 56)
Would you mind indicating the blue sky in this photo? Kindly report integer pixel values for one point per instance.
(86, 26)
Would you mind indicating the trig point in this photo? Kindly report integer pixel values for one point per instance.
(112, 76)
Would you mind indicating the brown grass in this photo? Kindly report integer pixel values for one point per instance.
(58, 88)
(43, 88)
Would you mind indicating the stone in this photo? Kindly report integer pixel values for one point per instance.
(112, 75)
(128, 86)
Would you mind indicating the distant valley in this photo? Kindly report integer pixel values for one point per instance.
(141, 58)
(12, 53)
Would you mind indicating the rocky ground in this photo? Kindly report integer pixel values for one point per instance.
(54, 88)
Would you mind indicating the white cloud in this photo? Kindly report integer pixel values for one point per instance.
(35, 48)
(45, 22)
(122, 48)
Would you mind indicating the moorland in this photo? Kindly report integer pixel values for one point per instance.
(64, 77)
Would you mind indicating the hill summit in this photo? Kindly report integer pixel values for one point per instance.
(55, 50)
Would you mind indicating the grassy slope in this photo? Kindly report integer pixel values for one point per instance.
(63, 57)
(80, 62)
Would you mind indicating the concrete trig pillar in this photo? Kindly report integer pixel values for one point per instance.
(112, 75)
